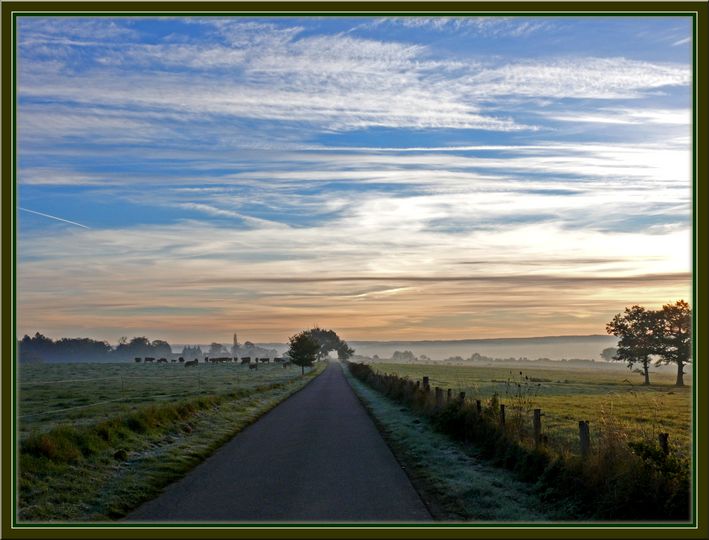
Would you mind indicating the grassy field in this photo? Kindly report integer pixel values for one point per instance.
(455, 484)
(53, 394)
(96, 440)
(607, 397)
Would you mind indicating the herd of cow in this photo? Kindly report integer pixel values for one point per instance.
(220, 360)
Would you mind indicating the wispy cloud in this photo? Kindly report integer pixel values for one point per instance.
(425, 177)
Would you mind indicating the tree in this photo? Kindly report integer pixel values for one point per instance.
(328, 341)
(639, 331)
(675, 337)
(608, 353)
(161, 348)
(344, 351)
(215, 349)
(303, 350)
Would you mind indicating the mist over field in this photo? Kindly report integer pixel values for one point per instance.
(551, 347)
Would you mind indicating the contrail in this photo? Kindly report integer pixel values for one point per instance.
(54, 217)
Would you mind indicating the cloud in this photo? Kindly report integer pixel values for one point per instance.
(495, 27)
(269, 174)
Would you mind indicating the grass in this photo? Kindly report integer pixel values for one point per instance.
(100, 462)
(621, 478)
(566, 396)
(453, 481)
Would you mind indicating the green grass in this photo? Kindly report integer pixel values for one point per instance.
(52, 394)
(99, 462)
(452, 480)
(605, 396)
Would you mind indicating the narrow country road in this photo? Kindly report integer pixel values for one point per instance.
(315, 457)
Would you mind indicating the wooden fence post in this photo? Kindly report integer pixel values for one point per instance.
(584, 438)
(449, 395)
(664, 446)
(439, 397)
(426, 385)
(479, 406)
(537, 426)
(502, 415)
(461, 397)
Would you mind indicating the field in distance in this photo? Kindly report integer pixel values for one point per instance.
(81, 393)
(604, 395)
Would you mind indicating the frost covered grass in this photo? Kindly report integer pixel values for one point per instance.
(94, 471)
(617, 477)
(455, 484)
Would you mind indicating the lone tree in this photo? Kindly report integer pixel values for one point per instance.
(675, 337)
(638, 330)
(303, 350)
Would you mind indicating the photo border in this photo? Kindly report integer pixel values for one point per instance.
(700, 387)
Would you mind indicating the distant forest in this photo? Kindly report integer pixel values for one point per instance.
(40, 348)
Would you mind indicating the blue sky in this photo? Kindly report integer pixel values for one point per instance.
(410, 177)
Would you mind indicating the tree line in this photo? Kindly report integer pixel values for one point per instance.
(40, 348)
(662, 336)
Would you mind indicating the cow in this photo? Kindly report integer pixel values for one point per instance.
(264, 360)
(181, 359)
(137, 359)
(173, 360)
(286, 364)
(162, 360)
(253, 366)
(246, 360)
(278, 360)
(191, 363)
(149, 359)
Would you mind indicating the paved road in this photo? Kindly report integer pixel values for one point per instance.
(315, 457)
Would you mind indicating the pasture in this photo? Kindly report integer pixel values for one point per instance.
(609, 397)
(96, 440)
(52, 394)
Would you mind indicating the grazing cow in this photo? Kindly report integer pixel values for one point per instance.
(286, 364)
(206, 359)
(173, 360)
(278, 360)
(162, 360)
(264, 360)
(253, 366)
(246, 360)
(181, 359)
(137, 359)
(149, 359)
(191, 363)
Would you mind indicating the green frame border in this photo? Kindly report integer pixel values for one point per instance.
(699, 528)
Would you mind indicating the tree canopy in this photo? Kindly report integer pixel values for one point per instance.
(327, 341)
(663, 335)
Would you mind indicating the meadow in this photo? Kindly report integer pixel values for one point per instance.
(86, 393)
(610, 397)
(96, 440)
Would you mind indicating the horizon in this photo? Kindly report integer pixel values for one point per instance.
(391, 178)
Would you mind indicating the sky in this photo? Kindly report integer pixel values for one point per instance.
(184, 178)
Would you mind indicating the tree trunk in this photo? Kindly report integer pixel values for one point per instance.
(646, 369)
(302, 370)
(680, 374)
